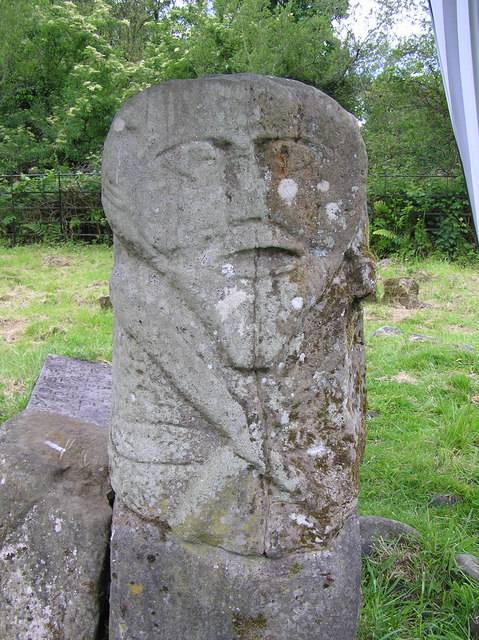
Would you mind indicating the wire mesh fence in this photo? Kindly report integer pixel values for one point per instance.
(52, 207)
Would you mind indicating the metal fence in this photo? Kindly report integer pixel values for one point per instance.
(388, 186)
(67, 206)
(52, 207)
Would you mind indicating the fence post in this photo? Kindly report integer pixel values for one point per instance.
(60, 205)
(14, 226)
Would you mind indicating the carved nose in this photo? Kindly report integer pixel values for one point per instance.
(246, 189)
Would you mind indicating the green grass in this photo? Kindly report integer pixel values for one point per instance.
(424, 440)
(49, 304)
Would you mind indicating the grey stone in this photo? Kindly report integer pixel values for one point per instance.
(165, 588)
(403, 291)
(75, 388)
(372, 414)
(54, 527)
(387, 331)
(474, 626)
(374, 528)
(469, 564)
(419, 337)
(239, 213)
(444, 500)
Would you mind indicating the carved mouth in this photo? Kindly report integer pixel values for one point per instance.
(263, 262)
(260, 249)
(262, 237)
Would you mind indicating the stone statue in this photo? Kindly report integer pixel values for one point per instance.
(239, 214)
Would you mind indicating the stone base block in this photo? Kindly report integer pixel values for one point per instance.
(54, 527)
(165, 589)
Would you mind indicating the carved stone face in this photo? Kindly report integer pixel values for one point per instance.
(247, 217)
(238, 206)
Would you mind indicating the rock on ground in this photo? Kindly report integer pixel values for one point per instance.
(54, 527)
(469, 564)
(444, 500)
(403, 291)
(374, 528)
(387, 331)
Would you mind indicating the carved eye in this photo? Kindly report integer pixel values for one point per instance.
(282, 158)
(193, 160)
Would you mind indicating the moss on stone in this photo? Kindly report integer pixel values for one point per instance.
(249, 628)
(296, 568)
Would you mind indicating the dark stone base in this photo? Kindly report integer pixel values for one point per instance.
(168, 590)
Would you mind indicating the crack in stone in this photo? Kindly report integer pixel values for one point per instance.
(262, 416)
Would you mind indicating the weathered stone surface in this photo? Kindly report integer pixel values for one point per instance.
(75, 388)
(469, 564)
(54, 527)
(165, 588)
(374, 528)
(239, 213)
(403, 291)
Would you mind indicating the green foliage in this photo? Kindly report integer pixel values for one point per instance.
(407, 125)
(408, 131)
(69, 65)
(66, 67)
(417, 218)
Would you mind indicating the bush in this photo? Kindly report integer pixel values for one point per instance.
(413, 217)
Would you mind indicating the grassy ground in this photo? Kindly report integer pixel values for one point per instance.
(422, 442)
(49, 304)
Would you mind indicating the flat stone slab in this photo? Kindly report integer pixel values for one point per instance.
(419, 337)
(75, 388)
(54, 527)
(163, 588)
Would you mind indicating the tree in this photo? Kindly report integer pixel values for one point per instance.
(407, 124)
(69, 65)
